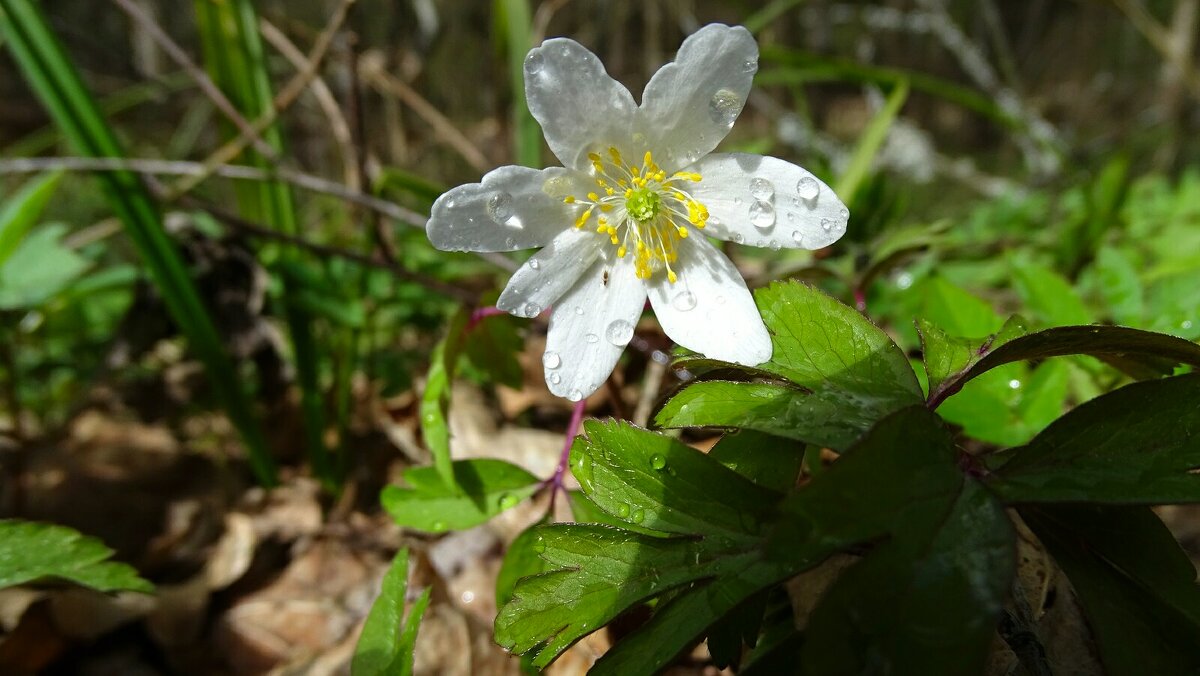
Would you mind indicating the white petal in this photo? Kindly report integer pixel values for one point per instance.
(690, 105)
(548, 274)
(591, 326)
(709, 310)
(581, 109)
(511, 209)
(766, 201)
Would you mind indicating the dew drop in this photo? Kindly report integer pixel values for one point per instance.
(578, 311)
(555, 379)
(844, 214)
(749, 66)
(592, 338)
(1014, 384)
(807, 188)
(623, 510)
(638, 515)
(619, 332)
(539, 545)
(684, 301)
(500, 207)
(775, 246)
(1185, 324)
(534, 63)
(439, 526)
(826, 224)
(508, 501)
(450, 203)
(575, 395)
(738, 238)
(762, 189)
(551, 360)
(762, 214)
(724, 106)
(532, 310)
(534, 264)
(658, 461)
(798, 237)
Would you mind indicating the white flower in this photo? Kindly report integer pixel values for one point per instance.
(627, 214)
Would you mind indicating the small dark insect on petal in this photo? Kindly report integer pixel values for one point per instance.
(606, 277)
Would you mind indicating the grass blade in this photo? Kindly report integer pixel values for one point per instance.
(514, 16)
(870, 143)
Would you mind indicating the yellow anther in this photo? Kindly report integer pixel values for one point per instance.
(569, 199)
(636, 171)
(659, 175)
(594, 157)
(621, 252)
(583, 218)
(608, 191)
(648, 160)
(682, 232)
(628, 192)
(600, 182)
(593, 197)
(616, 154)
(623, 183)
(598, 167)
(602, 220)
(687, 175)
(672, 277)
(606, 207)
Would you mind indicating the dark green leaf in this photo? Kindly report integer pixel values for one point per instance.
(1155, 352)
(851, 373)
(492, 346)
(482, 489)
(32, 552)
(766, 460)
(1136, 586)
(521, 560)
(946, 356)
(435, 400)
(385, 647)
(1134, 445)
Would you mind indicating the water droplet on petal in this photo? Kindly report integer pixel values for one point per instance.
(684, 301)
(592, 338)
(619, 332)
(798, 237)
(762, 214)
(532, 310)
(775, 246)
(844, 214)
(450, 203)
(738, 238)
(658, 462)
(762, 189)
(826, 224)
(534, 63)
(551, 360)
(534, 264)
(578, 311)
(555, 379)
(724, 106)
(808, 188)
(575, 395)
(500, 207)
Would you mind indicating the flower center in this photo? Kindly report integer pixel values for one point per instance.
(641, 210)
(643, 204)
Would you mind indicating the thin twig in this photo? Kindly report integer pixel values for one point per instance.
(202, 80)
(299, 82)
(1163, 41)
(338, 126)
(30, 165)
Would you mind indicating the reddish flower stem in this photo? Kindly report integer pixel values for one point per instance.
(481, 314)
(556, 482)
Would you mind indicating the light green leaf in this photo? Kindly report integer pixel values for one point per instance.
(1119, 286)
(435, 400)
(20, 212)
(32, 552)
(40, 269)
(482, 489)
(1048, 295)
(955, 310)
(948, 355)
(385, 647)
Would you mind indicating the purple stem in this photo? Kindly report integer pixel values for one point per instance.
(481, 314)
(556, 482)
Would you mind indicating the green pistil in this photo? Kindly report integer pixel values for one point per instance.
(643, 204)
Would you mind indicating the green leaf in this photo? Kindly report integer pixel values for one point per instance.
(1133, 445)
(851, 372)
(926, 601)
(767, 460)
(39, 270)
(1140, 353)
(516, 21)
(492, 346)
(870, 142)
(955, 310)
(482, 489)
(435, 400)
(659, 483)
(1119, 286)
(385, 647)
(520, 561)
(32, 552)
(946, 356)
(20, 212)
(1048, 295)
(1136, 586)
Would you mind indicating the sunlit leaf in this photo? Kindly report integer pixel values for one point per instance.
(39, 552)
(482, 488)
(385, 647)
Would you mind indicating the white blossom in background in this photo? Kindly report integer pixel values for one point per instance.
(629, 213)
